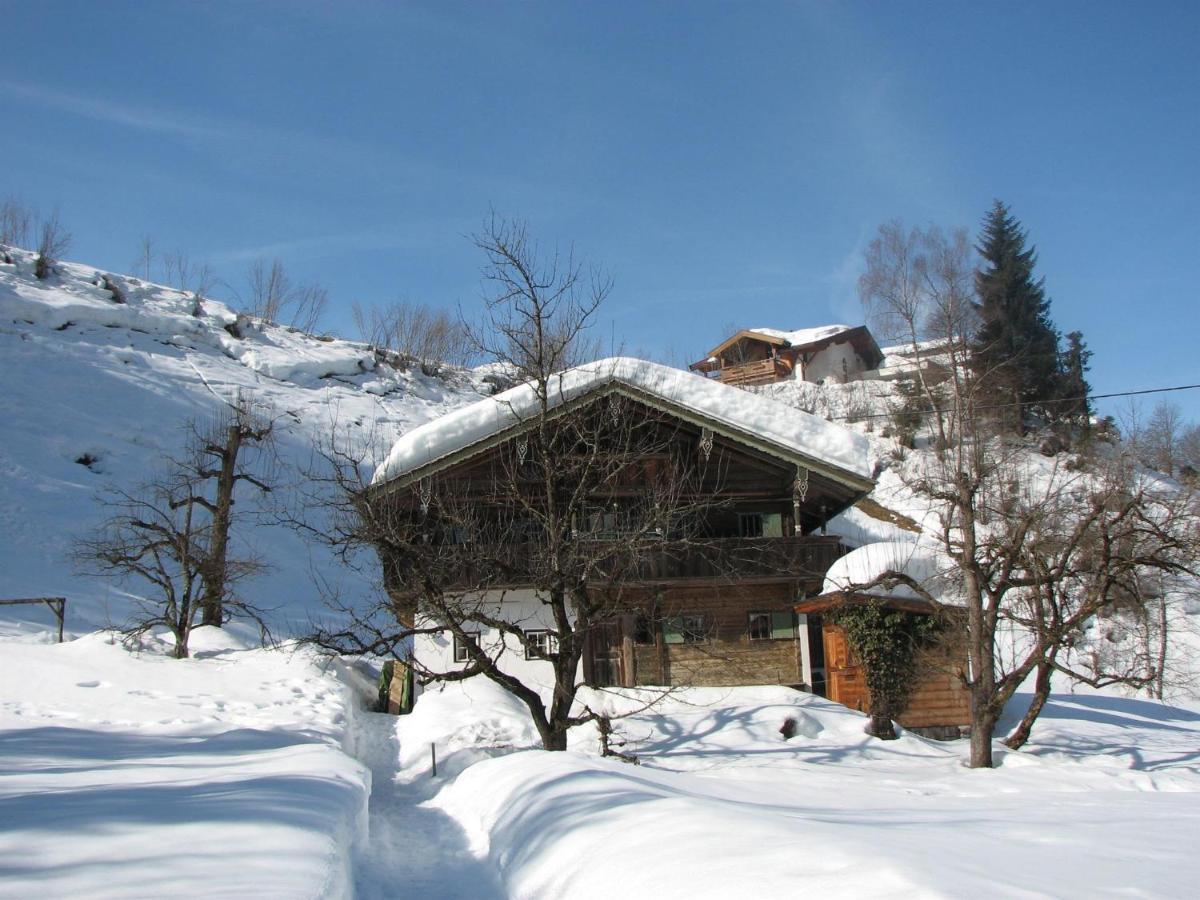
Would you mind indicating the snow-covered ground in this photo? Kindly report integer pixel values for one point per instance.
(234, 774)
(138, 775)
(1102, 803)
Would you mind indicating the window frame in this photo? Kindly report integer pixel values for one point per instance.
(746, 517)
(460, 649)
(764, 617)
(776, 627)
(551, 641)
(695, 631)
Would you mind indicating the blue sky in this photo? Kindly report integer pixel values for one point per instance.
(726, 162)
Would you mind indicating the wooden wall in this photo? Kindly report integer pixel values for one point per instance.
(938, 700)
(727, 655)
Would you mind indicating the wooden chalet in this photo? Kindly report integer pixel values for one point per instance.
(836, 353)
(719, 610)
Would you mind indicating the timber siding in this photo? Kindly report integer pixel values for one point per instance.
(726, 656)
(939, 700)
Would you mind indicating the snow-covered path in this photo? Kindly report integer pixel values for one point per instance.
(413, 850)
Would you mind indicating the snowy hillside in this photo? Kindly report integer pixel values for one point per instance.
(94, 392)
(264, 765)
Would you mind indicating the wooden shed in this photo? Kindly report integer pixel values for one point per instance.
(940, 705)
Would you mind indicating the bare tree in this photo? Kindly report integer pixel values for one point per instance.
(173, 534)
(274, 298)
(53, 241)
(536, 310)
(431, 337)
(145, 258)
(1094, 548)
(565, 507)
(270, 289)
(197, 279)
(218, 458)
(16, 225)
(310, 301)
(1161, 439)
(155, 539)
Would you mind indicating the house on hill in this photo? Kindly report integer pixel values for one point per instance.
(712, 607)
(830, 353)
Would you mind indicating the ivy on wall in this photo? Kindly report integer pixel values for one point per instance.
(886, 642)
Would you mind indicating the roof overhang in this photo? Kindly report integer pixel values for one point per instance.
(835, 599)
(859, 485)
(744, 333)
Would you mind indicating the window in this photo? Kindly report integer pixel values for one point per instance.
(686, 629)
(643, 629)
(460, 647)
(759, 524)
(772, 626)
(750, 525)
(760, 626)
(542, 645)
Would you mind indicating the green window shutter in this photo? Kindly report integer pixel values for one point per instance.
(772, 525)
(783, 625)
(673, 630)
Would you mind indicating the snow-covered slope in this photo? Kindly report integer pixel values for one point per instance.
(94, 392)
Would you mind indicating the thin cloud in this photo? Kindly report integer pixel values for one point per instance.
(203, 129)
(424, 234)
(106, 111)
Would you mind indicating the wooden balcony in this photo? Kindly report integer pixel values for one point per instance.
(711, 560)
(763, 371)
(740, 558)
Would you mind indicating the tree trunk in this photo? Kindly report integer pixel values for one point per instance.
(1160, 673)
(212, 604)
(983, 726)
(882, 727)
(553, 738)
(1041, 693)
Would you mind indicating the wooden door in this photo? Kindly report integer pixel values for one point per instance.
(846, 682)
(604, 653)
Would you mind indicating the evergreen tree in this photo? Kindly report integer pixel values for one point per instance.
(1073, 388)
(1015, 351)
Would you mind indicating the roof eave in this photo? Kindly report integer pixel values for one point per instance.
(852, 480)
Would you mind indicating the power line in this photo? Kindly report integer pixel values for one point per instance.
(1164, 390)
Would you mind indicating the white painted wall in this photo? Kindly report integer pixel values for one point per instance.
(520, 607)
(826, 365)
(806, 672)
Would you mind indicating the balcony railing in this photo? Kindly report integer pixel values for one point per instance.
(717, 559)
(763, 371)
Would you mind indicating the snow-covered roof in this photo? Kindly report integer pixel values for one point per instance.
(805, 335)
(937, 345)
(739, 412)
(932, 569)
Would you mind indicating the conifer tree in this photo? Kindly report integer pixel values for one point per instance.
(1073, 388)
(1015, 351)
